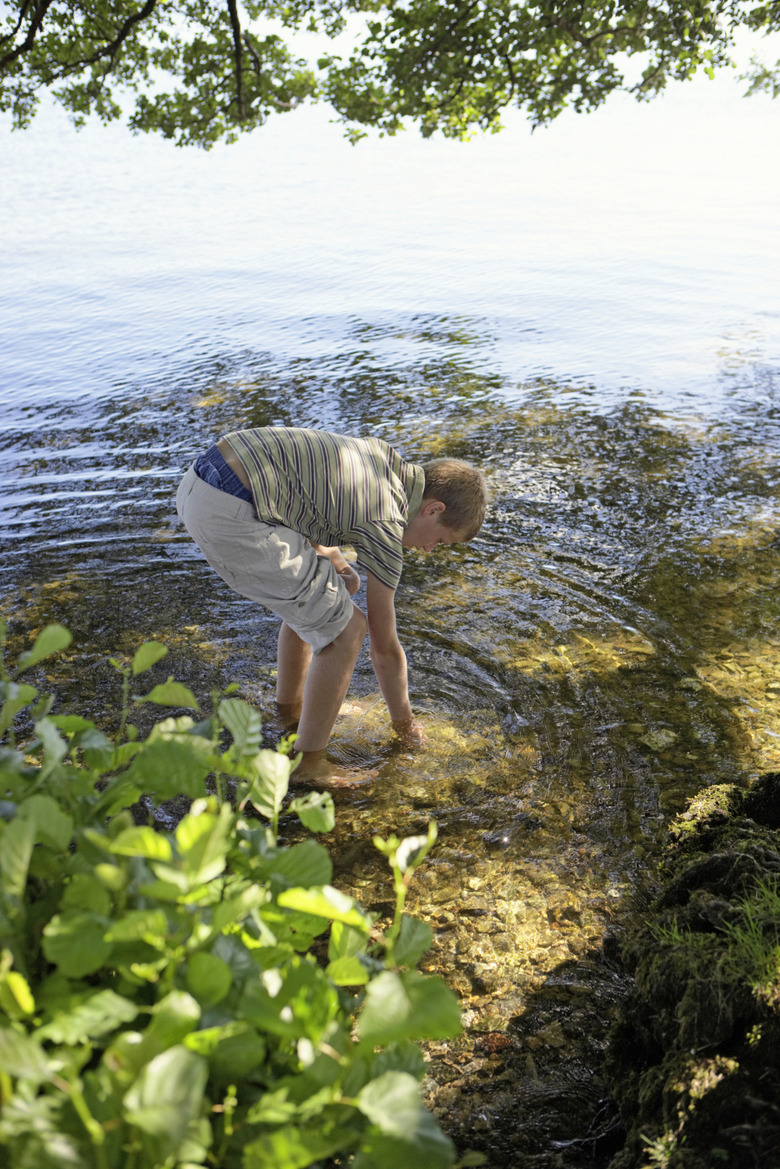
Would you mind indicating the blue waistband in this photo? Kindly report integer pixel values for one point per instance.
(212, 469)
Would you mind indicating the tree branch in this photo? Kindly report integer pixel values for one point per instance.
(9, 36)
(512, 79)
(430, 50)
(253, 53)
(109, 50)
(32, 32)
(126, 28)
(646, 82)
(449, 98)
(238, 54)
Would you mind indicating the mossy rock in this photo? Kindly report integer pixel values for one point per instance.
(694, 1057)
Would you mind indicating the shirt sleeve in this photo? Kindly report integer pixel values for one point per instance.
(379, 551)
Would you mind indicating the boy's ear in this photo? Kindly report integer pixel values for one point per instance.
(434, 507)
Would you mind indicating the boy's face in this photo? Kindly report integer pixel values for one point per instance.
(426, 528)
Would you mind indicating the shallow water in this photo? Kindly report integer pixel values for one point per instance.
(608, 644)
(603, 649)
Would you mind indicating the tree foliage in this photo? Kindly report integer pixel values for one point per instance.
(201, 71)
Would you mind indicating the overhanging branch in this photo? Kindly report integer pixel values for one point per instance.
(32, 32)
(108, 50)
(238, 56)
(9, 36)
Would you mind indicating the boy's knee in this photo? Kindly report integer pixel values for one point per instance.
(355, 632)
(361, 624)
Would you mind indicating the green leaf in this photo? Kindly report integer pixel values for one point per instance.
(167, 1096)
(347, 971)
(270, 781)
(326, 901)
(403, 1132)
(289, 928)
(112, 877)
(71, 723)
(123, 754)
(85, 891)
(345, 941)
(316, 811)
(426, 1147)
(52, 826)
(22, 1056)
(16, 998)
(244, 724)
(173, 1019)
(12, 766)
(407, 1006)
(294, 1002)
(204, 841)
(54, 746)
(209, 978)
(171, 766)
(16, 845)
(392, 1102)
(142, 841)
(233, 1051)
(414, 939)
(16, 696)
(176, 728)
(171, 693)
(98, 749)
(173, 886)
(307, 863)
(148, 655)
(234, 909)
(140, 925)
(295, 1147)
(273, 1108)
(412, 850)
(76, 944)
(405, 1056)
(49, 641)
(82, 1017)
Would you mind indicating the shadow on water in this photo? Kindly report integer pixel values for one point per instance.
(606, 647)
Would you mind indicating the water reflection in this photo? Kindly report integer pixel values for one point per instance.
(607, 645)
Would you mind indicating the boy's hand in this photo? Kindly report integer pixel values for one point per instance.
(350, 578)
(342, 567)
(410, 733)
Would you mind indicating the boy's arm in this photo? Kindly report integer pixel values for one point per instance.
(342, 567)
(389, 661)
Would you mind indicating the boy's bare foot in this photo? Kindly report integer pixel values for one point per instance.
(339, 779)
(316, 771)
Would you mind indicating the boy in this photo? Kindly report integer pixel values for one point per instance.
(268, 508)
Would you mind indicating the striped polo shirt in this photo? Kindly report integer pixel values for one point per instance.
(334, 489)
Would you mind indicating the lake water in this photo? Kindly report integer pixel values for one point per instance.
(592, 313)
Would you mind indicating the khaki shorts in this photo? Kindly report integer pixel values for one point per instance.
(268, 563)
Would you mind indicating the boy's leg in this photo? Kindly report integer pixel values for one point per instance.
(254, 558)
(293, 658)
(327, 682)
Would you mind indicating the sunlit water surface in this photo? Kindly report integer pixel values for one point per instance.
(591, 314)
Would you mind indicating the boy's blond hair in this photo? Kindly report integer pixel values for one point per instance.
(463, 491)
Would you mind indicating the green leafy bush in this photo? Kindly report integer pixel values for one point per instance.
(203, 996)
